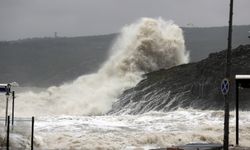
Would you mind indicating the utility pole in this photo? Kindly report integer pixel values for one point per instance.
(228, 76)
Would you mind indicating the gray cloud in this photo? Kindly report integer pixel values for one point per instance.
(38, 18)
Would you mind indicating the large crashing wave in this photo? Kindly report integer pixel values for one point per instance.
(147, 45)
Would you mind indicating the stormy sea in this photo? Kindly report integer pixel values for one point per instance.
(145, 95)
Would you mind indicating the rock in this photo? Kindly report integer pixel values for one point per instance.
(194, 85)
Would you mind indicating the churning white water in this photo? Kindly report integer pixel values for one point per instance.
(66, 113)
(147, 45)
(149, 130)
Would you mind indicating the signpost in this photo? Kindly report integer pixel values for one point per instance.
(243, 82)
(228, 76)
(6, 88)
(225, 85)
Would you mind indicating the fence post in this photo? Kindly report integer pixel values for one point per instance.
(237, 113)
(32, 132)
(13, 107)
(8, 133)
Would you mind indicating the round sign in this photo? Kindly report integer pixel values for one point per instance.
(225, 86)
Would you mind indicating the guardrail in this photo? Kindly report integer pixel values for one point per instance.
(23, 127)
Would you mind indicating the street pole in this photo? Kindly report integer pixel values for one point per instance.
(228, 76)
(7, 107)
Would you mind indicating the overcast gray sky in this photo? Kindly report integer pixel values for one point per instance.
(38, 18)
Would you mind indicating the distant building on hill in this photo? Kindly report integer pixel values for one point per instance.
(56, 35)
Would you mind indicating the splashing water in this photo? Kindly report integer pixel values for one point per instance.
(147, 45)
(144, 131)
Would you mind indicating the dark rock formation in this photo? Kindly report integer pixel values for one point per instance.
(194, 85)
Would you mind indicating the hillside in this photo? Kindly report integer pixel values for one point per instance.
(43, 62)
(195, 85)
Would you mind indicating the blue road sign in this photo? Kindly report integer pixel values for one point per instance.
(4, 88)
(225, 86)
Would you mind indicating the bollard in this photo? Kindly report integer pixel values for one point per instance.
(32, 132)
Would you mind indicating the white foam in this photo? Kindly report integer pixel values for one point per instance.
(147, 45)
(150, 130)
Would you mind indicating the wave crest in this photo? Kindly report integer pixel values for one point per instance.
(147, 45)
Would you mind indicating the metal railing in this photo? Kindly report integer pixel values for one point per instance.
(15, 129)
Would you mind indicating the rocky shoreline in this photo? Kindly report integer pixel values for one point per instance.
(194, 85)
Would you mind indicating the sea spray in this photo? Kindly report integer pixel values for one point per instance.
(147, 45)
(145, 131)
